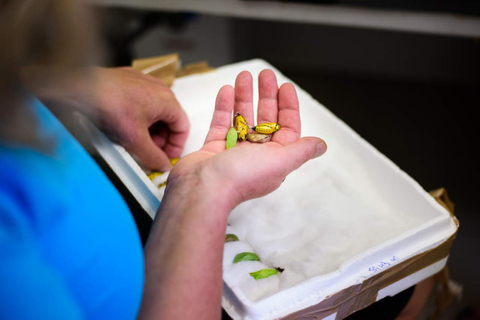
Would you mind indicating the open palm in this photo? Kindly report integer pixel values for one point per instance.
(250, 170)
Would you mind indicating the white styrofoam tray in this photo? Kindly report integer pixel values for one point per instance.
(351, 169)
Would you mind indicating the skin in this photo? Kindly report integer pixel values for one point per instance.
(136, 110)
(183, 255)
(144, 117)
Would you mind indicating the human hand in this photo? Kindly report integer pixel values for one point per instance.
(142, 114)
(249, 170)
(136, 110)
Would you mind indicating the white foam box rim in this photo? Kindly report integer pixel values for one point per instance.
(394, 184)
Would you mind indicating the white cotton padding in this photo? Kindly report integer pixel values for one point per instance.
(231, 249)
(253, 289)
(239, 273)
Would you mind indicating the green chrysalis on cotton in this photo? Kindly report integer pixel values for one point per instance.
(246, 256)
(264, 273)
(230, 237)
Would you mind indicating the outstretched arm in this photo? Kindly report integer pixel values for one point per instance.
(183, 254)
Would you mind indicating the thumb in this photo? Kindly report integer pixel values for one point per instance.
(302, 150)
(150, 154)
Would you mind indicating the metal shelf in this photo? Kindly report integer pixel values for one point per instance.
(396, 20)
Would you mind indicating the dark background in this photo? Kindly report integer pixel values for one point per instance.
(412, 96)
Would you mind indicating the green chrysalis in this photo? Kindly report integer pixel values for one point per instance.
(230, 237)
(264, 273)
(232, 137)
(246, 256)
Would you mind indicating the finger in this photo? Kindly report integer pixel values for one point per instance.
(159, 133)
(177, 135)
(288, 115)
(222, 116)
(171, 142)
(299, 152)
(150, 154)
(173, 127)
(244, 96)
(175, 143)
(268, 97)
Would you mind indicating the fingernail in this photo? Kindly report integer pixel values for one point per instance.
(321, 148)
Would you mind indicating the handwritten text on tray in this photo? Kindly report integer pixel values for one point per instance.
(383, 264)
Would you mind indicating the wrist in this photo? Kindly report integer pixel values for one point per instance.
(198, 191)
(187, 192)
(188, 211)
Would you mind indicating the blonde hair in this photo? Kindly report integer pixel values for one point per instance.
(51, 33)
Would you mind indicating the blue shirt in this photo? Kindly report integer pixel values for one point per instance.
(69, 248)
